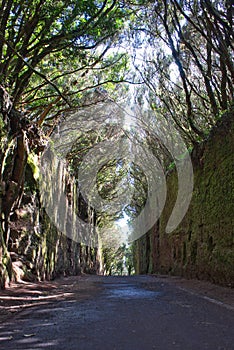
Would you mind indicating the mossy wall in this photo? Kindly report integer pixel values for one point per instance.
(37, 250)
(202, 246)
(31, 246)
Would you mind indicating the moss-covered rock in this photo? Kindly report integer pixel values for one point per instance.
(202, 246)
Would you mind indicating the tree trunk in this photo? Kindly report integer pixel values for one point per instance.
(13, 159)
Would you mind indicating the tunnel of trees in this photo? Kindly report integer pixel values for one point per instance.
(80, 75)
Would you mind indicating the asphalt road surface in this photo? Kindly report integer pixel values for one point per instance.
(124, 313)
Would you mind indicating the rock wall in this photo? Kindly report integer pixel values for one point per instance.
(202, 246)
(37, 249)
(32, 244)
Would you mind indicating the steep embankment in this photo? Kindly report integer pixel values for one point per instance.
(38, 249)
(32, 245)
(202, 246)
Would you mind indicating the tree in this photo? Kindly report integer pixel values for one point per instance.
(188, 63)
(47, 52)
(50, 56)
(58, 59)
(118, 260)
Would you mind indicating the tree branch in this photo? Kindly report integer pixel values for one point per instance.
(35, 71)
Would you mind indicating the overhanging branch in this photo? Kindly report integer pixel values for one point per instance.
(34, 70)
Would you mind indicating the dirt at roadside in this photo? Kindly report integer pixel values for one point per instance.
(28, 295)
(220, 294)
(20, 296)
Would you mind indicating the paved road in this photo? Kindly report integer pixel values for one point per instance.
(126, 313)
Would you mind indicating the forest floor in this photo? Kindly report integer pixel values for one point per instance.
(24, 295)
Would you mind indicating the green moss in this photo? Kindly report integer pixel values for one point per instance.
(203, 244)
(34, 164)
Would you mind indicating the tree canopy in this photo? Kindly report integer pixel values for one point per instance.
(165, 66)
(48, 50)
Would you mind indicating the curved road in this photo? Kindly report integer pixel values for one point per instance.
(124, 313)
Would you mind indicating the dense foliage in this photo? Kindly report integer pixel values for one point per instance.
(186, 62)
(169, 62)
(51, 53)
